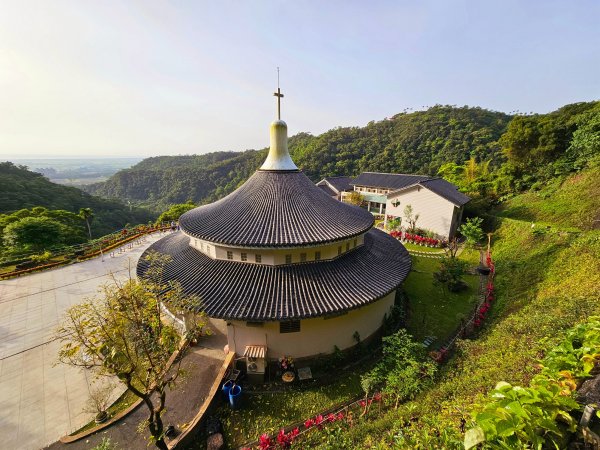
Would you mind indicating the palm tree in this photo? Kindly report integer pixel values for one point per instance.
(87, 214)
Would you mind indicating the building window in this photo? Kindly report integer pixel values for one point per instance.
(229, 254)
(317, 256)
(292, 326)
(302, 257)
(288, 259)
(339, 250)
(347, 246)
(244, 256)
(355, 242)
(255, 324)
(258, 258)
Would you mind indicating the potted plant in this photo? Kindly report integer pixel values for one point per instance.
(99, 401)
(286, 365)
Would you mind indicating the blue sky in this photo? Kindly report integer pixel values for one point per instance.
(145, 78)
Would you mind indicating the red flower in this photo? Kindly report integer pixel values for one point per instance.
(283, 439)
(377, 397)
(309, 423)
(264, 442)
(340, 416)
(363, 403)
(318, 421)
(331, 417)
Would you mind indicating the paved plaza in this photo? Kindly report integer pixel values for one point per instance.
(41, 401)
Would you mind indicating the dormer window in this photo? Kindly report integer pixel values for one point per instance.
(302, 257)
(288, 259)
(244, 256)
(317, 256)
(229, 254)
(257, 258)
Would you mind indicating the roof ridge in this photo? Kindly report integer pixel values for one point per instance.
(397, 174)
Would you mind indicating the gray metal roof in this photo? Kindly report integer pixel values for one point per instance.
(387, 180)
(339, 183)
(399, 182)
(447, 190)
(276, 209)
(245, 291)
(327, 189)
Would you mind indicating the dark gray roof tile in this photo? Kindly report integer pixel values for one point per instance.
(246, 291)
(387, 180)
(276, 209)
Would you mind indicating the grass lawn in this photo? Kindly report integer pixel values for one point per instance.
(435, 311)
(421, 248)
(267, 413)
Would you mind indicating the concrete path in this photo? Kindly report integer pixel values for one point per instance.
(40, 402)
(200, 368)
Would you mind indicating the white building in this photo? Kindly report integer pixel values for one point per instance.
(437, 202)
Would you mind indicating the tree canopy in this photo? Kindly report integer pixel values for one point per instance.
(22, 189)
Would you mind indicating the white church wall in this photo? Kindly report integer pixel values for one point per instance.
(435, 212)
(277, 256)
(316, 336)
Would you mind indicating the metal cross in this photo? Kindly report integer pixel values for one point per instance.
(279, 95)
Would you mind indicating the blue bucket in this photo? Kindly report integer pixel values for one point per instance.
(226, 388)
(235, 396)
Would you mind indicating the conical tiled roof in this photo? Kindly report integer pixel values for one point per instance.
(276, 209)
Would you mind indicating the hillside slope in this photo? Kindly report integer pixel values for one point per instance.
(545, 284)
(575, 202)
(22, 188)
(419, 142)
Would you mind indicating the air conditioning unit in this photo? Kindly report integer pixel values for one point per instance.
(256, 359)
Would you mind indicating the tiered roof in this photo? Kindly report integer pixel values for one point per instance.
(279, 207)
(256, 292)
(276, 209)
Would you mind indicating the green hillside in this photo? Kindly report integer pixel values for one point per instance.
(419, 142)
(545, 284)
(575, 202)
(23, 189)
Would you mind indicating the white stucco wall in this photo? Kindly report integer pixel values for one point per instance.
(271, 256)
(316, 336)
(435, 212)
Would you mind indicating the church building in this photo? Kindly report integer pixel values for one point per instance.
(290, 269)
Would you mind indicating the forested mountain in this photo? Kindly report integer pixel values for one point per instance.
(419, 142)
(23, 189)
(487, 154)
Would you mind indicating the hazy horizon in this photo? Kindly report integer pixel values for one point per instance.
(142, 79)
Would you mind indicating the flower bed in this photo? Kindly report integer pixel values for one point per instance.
(345, 415)
(417, 239)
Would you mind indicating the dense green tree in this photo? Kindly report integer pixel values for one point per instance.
(175, 211)
(35, 233)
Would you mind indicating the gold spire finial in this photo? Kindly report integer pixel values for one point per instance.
(279, 95)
